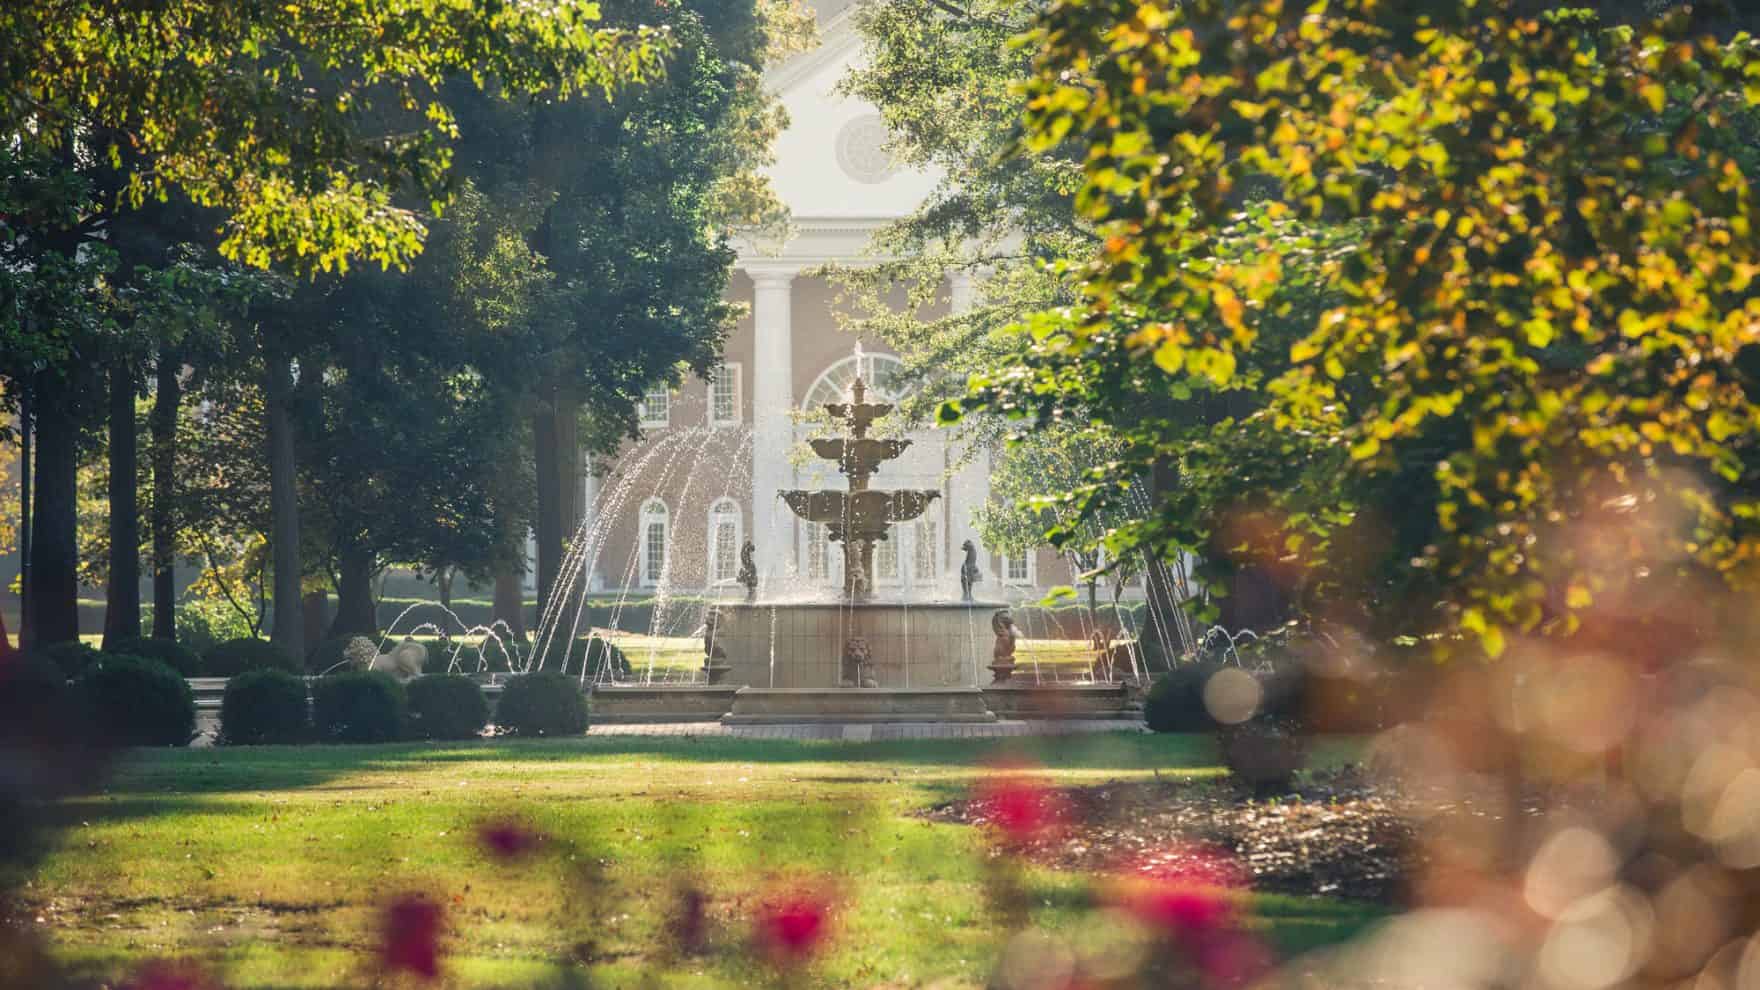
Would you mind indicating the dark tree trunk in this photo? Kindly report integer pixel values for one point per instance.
(550, 512)
(54, 577)
(289, 628)
(509, 604)
(167, 396)
(1162, 623)
(5, 640)
(356, 613)
(315, 608)
(122, 595)
(568, 464)
(24, 520)
(443, 584)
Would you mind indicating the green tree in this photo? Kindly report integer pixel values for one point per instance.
(1544, 325)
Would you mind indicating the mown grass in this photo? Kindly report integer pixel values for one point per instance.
(272, 863)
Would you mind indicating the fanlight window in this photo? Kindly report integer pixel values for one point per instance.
(883, 373)
(724, 526)
(653, 545)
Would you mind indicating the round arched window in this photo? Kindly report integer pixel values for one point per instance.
(883, 373)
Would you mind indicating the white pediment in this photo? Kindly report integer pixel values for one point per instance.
(830, 161)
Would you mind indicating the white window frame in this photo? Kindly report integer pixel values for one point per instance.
(653, 510)
(645, 410)
(925, 541)
(1030, 558)
(895, 544)
(728, 373)
(724, 510)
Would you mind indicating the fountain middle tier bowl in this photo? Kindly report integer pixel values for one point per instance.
(861, 454)
(816, 644)
(859, 512)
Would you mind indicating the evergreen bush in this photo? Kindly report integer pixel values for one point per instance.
(72, 656)
(446, 706)
(37, 704)
(172, 654)
(263, 706)
(235, 656)
(542, 704)
(592, 651)
(134, 701)
(358, 707)
(1176, 700)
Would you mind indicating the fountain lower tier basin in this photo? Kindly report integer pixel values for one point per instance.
(619, 704)
(804, 645)
(795, 706)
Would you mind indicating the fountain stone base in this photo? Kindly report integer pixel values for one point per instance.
(794, 706)
(812, 645)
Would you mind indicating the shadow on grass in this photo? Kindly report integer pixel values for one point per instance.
(270, 768)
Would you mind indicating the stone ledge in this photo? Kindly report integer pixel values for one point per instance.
(780, 706)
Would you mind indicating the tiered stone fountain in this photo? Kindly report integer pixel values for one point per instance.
(854, 657)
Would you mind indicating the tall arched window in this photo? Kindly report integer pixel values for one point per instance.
(724, 541)
(653, 535)
(883, 373)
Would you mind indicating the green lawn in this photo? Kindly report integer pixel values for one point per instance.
(271, 862)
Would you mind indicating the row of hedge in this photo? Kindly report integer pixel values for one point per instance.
(137, 701)
(228, 659)
(270, 706)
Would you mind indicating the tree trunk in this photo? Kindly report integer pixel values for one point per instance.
(550, 512)
(356, 613)
(167, 396)
(443, 583)
(1161, 623)
(568, 464)
(314, 608)
(24, 521)
(122, 595)
(54, 576)
(509, 604)
(5, 640)
(289, 626)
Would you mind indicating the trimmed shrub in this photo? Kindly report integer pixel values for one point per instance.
(1176, 700)
(138, 702)
(593, 651)
(235, 656)
(263, 706)
(358, 707)
(174, 655)
(446, 706)
(37, 704)
(542, 704)
(332, 656)
(71, 656)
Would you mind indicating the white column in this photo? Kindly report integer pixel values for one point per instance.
(589, 509)
(969, 487)
(772, 427)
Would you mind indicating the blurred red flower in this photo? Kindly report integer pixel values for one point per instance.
(160, 974)
(1018, 807)
(792, 926)
(1201, 921)
(506, 839)
(411, 936)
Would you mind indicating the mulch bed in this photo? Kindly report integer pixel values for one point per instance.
(1338, 835)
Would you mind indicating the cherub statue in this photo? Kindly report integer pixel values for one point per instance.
(1002, 657)
(1002, 624)
(968, 571)
(748, 571)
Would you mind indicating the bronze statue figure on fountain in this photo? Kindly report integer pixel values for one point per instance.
(968, 571)
(748, 571)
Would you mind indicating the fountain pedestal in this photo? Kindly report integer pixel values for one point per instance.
(777, 706)
(805, 644)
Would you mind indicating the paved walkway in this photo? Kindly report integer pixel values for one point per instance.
(207, 724)
(866, 732)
